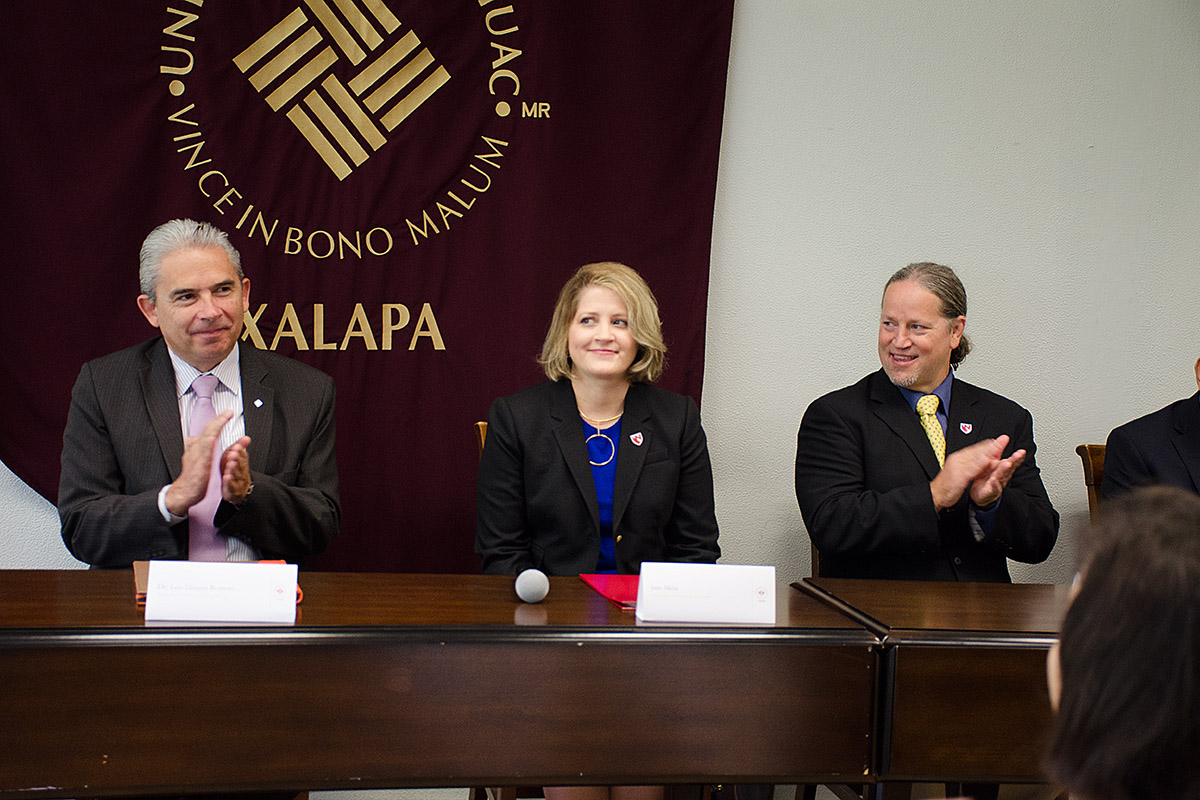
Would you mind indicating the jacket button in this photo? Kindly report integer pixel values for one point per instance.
(957, 560)
(618, 537)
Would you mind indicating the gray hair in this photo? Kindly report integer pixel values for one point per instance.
(947, 288)
(176, 235)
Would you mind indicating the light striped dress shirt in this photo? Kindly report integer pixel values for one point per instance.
(227, 397)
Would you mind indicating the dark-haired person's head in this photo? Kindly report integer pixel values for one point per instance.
(1128, 658)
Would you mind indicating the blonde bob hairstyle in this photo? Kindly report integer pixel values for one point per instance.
(644, 323)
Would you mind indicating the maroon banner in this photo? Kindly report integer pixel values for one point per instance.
(409, 184)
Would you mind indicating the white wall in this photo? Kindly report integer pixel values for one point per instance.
(29, 537)
(1046, 151)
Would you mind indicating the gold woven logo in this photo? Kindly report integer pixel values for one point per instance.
(292, 65)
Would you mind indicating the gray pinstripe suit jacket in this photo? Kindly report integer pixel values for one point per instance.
(123, 443)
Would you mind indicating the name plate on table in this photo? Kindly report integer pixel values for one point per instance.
(200, 591)
(720, 593)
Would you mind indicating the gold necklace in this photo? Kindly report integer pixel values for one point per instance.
(599, 435)
(594, 421)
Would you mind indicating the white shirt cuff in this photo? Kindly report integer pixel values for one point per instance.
(162, 507)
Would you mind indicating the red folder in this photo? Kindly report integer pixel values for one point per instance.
(619, 589)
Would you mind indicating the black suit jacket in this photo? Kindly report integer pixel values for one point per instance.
(1162, 448)
(537, 500)
(863, 467)
(124, 442)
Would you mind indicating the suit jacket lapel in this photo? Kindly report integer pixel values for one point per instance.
(568, 430)
(157, 379)
(630, 456)
(895, 412)
(1187, 437)
(258, 403)
(965, 417)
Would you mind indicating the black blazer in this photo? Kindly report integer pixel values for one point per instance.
(537, 500)
(124, 442)
(1160, 448)
(863, 466)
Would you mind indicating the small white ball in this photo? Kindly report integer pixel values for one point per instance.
(532, 586)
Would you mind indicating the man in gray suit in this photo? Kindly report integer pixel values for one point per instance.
(258, 480)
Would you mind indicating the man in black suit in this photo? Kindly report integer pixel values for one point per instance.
(259, 480)
(878, 499)
(1162, 448)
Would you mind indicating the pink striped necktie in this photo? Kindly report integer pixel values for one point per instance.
(204, 543)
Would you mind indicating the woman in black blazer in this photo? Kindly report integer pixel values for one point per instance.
(595, 469)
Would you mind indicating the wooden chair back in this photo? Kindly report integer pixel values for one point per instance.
(1092, 456)
(480, 435)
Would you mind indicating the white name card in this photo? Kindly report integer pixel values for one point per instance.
(199, 591)
(720, 593)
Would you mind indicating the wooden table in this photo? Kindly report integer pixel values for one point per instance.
(963, 689)
(418, 680)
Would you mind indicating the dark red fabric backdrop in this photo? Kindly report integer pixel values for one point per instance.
(409, 184)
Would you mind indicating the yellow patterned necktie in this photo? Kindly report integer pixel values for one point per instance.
(927, 409)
